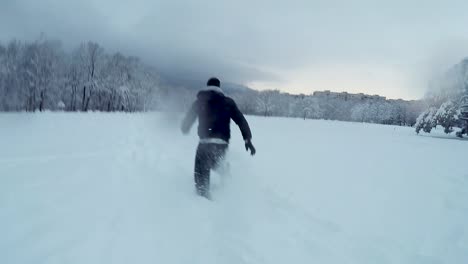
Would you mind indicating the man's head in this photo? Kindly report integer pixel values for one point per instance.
(213, 82)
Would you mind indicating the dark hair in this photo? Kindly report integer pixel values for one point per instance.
(213, 82)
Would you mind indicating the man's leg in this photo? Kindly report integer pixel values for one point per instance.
(209, 156)
(221, 165)
(202, 170)
(205, 161)
(219, 154)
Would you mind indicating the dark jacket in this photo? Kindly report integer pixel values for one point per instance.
(215, 111)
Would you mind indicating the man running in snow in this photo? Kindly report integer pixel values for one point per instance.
(214, 111)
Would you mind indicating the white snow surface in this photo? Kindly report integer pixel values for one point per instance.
(118, 188)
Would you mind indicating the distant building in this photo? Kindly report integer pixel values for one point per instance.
(347, 96)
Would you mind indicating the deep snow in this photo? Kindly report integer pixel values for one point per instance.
(118, 188)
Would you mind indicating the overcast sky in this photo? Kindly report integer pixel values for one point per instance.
(390, 48)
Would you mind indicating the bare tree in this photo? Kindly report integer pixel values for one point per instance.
(91, 58)
(266, 101)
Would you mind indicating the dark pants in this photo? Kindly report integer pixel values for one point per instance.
(208, 157)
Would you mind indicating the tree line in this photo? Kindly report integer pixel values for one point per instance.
(331, 106)
(40, 75)
(447, 102)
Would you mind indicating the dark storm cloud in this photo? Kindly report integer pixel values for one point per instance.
(169, 36)
(290, 45)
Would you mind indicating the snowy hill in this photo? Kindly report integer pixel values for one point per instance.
(118, 188)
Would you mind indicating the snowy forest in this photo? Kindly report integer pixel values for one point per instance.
(447, 102)
(41, 75)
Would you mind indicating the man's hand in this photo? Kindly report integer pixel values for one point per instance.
(249, 146)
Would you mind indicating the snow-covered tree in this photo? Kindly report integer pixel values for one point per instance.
(266, 101)
(444, 94)
(39, 67)
(361, 112)
(13, 92)
(247, 101)
(426, 120)
(2, 74)
(449, 85)
(447, 116)
(74, 79)
(91, 62)
(38, 75)
(307, 107)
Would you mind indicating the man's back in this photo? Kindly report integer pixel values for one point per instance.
(214, 111)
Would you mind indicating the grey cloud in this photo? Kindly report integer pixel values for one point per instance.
(241, 40)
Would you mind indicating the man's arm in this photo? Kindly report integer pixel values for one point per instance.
(240, 120)
(190, 118)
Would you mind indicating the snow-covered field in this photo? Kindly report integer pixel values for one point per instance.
(117, 188)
